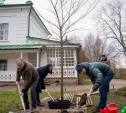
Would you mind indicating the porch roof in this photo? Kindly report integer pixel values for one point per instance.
(15, 47)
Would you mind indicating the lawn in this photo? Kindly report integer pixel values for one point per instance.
(10, 100)
(113, 97)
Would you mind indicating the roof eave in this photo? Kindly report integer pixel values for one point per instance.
(35, 38)
(14, 5)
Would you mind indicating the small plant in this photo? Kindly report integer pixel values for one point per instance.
(121, 91)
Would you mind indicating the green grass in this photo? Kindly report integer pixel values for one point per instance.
(120, 78)
(113, 97)
(10, 100)
(121, 91)
(87, 81)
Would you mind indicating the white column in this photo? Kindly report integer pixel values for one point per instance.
(37, 59)
(21, 54)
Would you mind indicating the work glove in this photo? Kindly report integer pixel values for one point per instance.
(17, 82)
(21, 94)
(45, 90)
(91, 91)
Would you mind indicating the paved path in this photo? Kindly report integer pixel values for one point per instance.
(116, 83)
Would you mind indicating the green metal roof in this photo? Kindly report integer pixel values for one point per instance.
(65, 43)
(28, 3)
(12, 5)
(15, 47)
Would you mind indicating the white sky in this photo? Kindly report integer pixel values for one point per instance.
(87, 23)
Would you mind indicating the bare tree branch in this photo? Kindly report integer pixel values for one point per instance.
(113, 23)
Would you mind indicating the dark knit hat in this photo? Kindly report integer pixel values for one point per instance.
(103, 55)
(79, 68)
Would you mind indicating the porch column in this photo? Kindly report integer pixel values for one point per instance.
(21, 54)
(37, 59)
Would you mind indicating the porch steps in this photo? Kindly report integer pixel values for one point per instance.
(12, 83)
(6, 83)
(48, 82)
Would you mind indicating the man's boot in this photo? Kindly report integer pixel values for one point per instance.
(33, 109)
(27, 107)
(38, 100)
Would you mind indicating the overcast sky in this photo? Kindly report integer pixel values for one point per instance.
(88, 24)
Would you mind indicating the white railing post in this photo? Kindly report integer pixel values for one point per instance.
(21, 55)
(37, 59)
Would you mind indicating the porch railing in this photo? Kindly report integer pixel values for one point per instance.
(68, 73)
(7, 76)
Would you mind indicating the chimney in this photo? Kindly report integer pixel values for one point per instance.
(2, 1)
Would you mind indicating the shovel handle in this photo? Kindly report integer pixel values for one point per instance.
(21, 98)
(50, 96)
(88, 94)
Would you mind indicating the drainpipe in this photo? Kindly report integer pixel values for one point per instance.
(78, 61)
(29, 20)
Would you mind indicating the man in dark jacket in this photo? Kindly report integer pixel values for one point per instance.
(30, 76)
(43, 72)
(105, 60)
(100, 74)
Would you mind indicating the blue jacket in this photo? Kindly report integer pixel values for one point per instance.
(42, 74)
(96, 72)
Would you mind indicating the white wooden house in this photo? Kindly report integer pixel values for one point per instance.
(24, 35)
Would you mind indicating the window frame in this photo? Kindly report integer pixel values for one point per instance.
(4, 64)
(5, 32)
(33, 61)
(57, 56)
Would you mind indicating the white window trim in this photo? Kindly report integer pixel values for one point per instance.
(60, 57)
(4, 32)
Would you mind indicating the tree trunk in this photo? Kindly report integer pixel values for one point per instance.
(61, 63)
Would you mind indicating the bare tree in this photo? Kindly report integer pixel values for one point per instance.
(94, 47)
(64, 15)
(112, 21)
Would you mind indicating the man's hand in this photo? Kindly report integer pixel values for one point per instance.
(17, 82)
(91, 91)
(21, 94)
(45, 90)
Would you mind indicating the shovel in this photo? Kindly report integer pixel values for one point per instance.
(21, 99)
(50, 96)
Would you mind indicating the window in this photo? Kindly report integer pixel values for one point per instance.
(54, 57)
(32, 58)
(3, 31)
(3, 65)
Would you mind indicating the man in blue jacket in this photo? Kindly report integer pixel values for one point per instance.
(100, 74)
(43, 72)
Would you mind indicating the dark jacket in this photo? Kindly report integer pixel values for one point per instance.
(43, 72)
(28, 73)
(96, 72)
